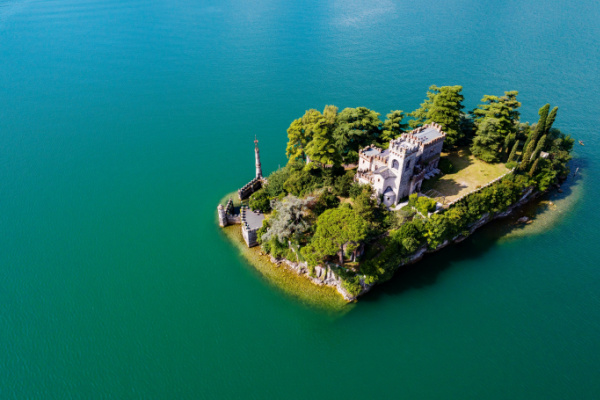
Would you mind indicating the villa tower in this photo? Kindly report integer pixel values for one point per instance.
(257, 157)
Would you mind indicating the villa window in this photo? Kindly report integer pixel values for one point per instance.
(395, 164)
(407, 166)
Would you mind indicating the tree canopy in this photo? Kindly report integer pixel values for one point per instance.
(442, 106)
(337, 229)
(355, 128)
(393, 127)
(496, 121)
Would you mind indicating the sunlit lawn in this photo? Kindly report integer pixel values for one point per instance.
(468, 173)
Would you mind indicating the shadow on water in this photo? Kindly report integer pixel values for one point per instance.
(425, 273)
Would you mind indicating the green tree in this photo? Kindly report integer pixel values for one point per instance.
(322, 148)
(420, 114)
(355, 129)
(259, 200)
(543, 127)
(487, 141)
(539, 148)
(297, 140)
(338, 230)
(534, 167)
(442, 106)
(276, 181)
(513, 152)
(289, 220)
(325, 201)
(503, 111)
(392, 127)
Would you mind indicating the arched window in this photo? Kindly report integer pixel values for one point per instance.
(395, 164)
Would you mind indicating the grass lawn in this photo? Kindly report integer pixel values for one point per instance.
(468, 173)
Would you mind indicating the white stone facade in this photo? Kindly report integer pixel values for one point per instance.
(398, 171)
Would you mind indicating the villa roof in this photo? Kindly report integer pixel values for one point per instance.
(385, 173)
(428, 134)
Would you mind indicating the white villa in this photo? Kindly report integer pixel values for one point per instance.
(399, 170)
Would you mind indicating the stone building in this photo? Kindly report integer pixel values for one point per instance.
(250, 221)
(398, 171)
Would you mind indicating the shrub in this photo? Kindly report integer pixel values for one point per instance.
(425, 205)
(259, 200)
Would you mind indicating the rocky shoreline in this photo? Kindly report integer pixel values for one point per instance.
(326, 276)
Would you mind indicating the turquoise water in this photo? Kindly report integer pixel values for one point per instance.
(122, 123)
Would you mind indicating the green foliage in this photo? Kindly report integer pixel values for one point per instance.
(259, 200)
(343, 183)
(496, 121)
(325, 201)
(513, 153)
(365, 205)
(276, 180)
(392, 127)
(322, 147)
(425, 205)
(443, 106)
(301, 182)
(337, 229)
(412, 200)
(488, 141)
(289, 221)
(297, 140)
(534, 167)
(357, 188)
(355, 128)
(527, 155)
(467, 128)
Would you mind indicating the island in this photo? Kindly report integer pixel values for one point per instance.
(361, 197)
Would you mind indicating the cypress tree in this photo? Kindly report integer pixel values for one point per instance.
(531, 141)
(539, 147)
(533, 168)
(541, 125)
(550, 120)
(513, 152)
(527, 155)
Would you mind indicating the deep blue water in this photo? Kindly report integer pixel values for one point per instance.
(122, 123)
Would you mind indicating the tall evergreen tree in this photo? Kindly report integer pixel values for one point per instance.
(527, 155)
(297, 140)
(355, 128)
(420, 114)
(540, 127)
(531, 141)
(550, 120)
(513, 152)
(486, 144)
(442, 106)
(321, 148)
(534, 167)
(392, 127)
(504, 111)
(539, 148)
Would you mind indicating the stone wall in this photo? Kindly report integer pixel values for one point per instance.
(250, 187)
(250, 235)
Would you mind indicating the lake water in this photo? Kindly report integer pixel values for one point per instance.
(122, 123)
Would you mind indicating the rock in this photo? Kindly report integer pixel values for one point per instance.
(523, 220)
(560, 190)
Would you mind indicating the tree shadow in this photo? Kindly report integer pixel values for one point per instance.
(425, 273)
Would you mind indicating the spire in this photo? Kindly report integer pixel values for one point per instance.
(257, 156)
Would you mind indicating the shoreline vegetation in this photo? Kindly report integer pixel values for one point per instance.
(324, 225)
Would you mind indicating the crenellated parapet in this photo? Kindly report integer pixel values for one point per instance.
(250, 234)
(250, 187)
